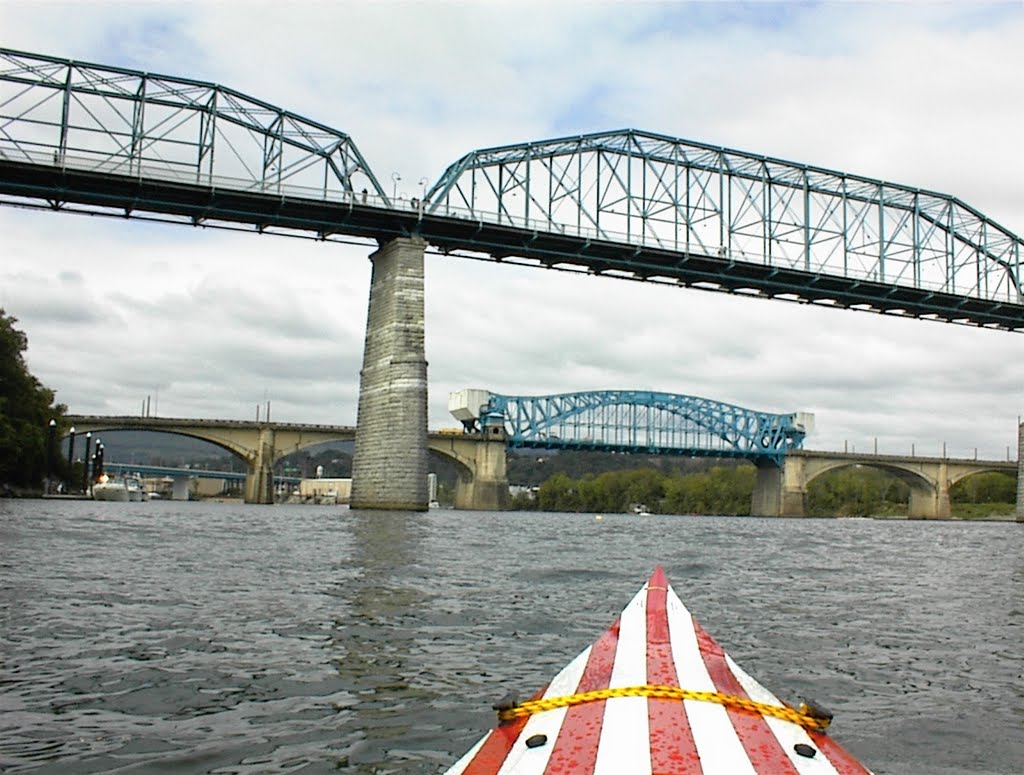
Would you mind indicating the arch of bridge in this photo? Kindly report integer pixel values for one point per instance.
(920, 473)
(236, 442)
(455, 449)
(242, 438)
(959, 471)
(914, 477)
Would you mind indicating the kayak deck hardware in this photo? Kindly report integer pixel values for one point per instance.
(808, 716)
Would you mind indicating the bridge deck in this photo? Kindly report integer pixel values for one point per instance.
(287, 211)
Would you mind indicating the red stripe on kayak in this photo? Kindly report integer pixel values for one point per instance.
(495, 750)
(839, 757)
(672, 745)
(763, 749)
(575, 749)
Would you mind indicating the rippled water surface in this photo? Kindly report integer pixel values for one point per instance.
(217, 638)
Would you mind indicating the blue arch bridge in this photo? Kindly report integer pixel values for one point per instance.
(85, 137)
(634, 421)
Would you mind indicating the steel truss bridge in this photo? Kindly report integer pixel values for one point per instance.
(644, 421)
(89, 138)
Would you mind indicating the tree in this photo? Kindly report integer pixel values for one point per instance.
(26, 408)
(989, 487)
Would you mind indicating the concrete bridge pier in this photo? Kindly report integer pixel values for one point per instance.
(259, 480)
(931, 502)
(779, 489)
(389, 465)
(487, 490)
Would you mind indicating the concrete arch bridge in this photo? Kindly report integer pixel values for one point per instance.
(480, 458)
(782, 490)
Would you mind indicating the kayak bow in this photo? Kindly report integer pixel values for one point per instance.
(656, 694)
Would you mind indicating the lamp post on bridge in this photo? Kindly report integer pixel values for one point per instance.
(51, 441)
(394, 191)
(423, 194)
(71, 455)
(97, 465)
(85, 463)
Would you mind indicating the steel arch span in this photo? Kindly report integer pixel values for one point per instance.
(644, 421)
(740, 222)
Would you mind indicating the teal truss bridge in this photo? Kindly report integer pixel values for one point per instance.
(77, 136)
(636, 421)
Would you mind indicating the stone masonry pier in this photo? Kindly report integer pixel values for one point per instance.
(389, 467)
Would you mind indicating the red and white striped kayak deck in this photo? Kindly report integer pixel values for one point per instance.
(711, 717)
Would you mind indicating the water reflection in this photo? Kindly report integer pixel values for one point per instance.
(377, 646)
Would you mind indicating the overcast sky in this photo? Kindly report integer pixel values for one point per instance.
(211, 323)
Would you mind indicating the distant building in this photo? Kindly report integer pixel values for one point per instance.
(325, 490)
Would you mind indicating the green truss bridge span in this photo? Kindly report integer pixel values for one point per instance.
(84, 137)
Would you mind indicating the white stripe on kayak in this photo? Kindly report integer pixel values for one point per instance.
(460, 766)
(625, 737)
(714, 736)
(532, 761)
(787, 733)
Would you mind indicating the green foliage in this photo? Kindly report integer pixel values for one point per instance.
(26, 408)
(984, 495)
(532, 467)
(990, 487)
(857, 491)
(720, 490)
(983, 510)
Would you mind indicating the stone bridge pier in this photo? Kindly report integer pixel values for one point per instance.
(389, 465)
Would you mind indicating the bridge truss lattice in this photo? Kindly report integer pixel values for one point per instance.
(633, 204)
(644, 421)
(121, 122)
(749, 223)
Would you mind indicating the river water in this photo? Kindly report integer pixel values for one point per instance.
(222, 638)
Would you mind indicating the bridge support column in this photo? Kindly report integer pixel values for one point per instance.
(932, 503)
(1020, 472)
(487, 490)
(259, 481)
(389, 465)
(180, 488)
(779, 490)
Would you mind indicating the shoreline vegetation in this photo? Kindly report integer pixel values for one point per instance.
(727, 490)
